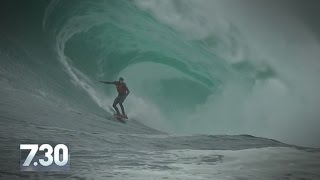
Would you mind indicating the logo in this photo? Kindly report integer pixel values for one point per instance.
(44, 157)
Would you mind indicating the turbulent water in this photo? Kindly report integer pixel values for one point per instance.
(193, 67)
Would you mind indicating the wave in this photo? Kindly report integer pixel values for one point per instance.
(189, 70)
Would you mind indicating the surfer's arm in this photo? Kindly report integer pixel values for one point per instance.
(127, 89)
(107, 82)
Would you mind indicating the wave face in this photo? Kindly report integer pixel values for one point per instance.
(189, 70)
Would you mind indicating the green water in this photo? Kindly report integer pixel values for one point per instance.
(186, 74)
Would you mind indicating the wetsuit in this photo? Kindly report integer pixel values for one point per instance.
(123, 92)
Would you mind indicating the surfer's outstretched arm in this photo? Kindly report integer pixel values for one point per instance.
(107, 82)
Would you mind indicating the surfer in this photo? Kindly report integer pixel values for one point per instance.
(123, 92)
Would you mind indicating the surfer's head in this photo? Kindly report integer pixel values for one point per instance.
(121, 79)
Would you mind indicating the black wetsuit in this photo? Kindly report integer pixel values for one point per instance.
(123, 92)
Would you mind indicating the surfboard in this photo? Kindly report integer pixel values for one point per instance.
(120, 118)
(117, 117)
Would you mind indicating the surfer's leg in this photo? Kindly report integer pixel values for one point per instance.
(122, 109)
(121, 106)
(115, 102)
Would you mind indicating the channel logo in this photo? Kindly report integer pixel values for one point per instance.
(44, 157)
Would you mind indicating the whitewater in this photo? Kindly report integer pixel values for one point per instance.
(213, 94)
